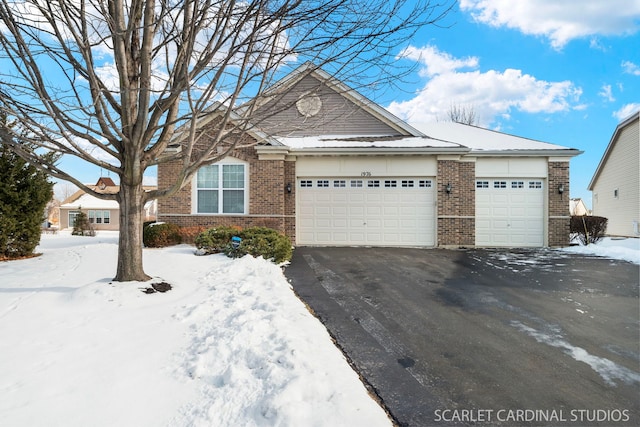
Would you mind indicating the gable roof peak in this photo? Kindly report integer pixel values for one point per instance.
(612, 142)
(311, 69)
(105, 182)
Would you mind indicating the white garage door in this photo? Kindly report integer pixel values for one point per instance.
(510, 212)
(366, 212)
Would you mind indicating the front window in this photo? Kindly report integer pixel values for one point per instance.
(99, 217)
(220, 189)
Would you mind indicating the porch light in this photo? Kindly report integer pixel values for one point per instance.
(288, 187)
(560, 188)
(448, 188)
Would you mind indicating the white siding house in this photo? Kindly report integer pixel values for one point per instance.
(616, 183)
(577, 207)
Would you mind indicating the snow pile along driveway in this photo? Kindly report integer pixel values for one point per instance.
(229, 345)
(626, 249)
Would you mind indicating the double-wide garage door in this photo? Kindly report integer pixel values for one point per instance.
(366, 211)
(510, 212)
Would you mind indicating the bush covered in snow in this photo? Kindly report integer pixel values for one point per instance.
(588, 229)
(161, 234)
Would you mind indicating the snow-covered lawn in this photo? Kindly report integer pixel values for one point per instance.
(230, 345)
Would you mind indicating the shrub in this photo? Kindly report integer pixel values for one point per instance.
(256, 241)
(147, 223)
(588, 229)
(262, 241)
(24, 193)
(82, 226)
(189, 234)
(161, 234)
(215, 240)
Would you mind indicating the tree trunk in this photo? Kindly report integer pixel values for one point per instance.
(131, 199)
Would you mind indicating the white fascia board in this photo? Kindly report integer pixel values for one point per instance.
(528, 153)
(377, 151)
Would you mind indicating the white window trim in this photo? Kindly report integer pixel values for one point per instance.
(194, 189)
(102, 214)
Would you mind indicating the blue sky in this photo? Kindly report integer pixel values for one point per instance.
(560, 71)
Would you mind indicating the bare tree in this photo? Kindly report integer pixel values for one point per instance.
(116, 82)
(63, 190)
(465, 114)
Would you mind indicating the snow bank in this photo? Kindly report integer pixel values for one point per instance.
(615, 248)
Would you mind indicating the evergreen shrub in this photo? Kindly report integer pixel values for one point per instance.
(262, 241)
(82, 226)
(216, 239)
(255, 241)
(24, 193)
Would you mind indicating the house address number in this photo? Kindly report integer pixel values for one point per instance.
(365, 173)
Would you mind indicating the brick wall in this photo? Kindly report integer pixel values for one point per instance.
(179, 203)
(290, 200)
(269, 203)
(558, 174)
(456, 210)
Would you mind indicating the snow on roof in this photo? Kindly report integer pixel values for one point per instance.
(87, 201)
(480, 139)
(440, 135)
(360, 141)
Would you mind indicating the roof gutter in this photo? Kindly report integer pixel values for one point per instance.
(571, 152)
(376, 151)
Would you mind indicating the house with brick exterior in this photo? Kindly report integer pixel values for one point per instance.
(327, 166)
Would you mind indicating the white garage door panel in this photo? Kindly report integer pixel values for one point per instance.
(510, 212)
(389, 212)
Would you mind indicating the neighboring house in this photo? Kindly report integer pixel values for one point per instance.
(577, 207)
(330, 167)
(615, 185)
(102, 214)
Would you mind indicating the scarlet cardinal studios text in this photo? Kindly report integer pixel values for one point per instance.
(531, 415)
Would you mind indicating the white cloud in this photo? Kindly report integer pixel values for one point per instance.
(559, 21)
(435, 61)
(605, 92)
(630, 68)
(626, 111)
(108, 74)
(492, 94)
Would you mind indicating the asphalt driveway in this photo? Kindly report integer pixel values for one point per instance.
(482, 337)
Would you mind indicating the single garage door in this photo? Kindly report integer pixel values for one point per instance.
(366, 212)
(510, 212)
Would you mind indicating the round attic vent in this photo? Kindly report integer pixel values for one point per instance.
(309, 105)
